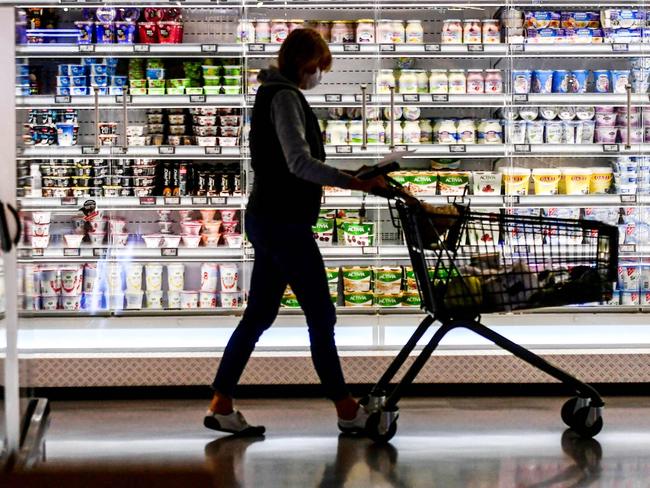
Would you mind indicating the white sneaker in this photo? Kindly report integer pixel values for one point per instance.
(357, 425)
(233, 423)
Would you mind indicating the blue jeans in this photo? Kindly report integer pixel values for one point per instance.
(284, 254)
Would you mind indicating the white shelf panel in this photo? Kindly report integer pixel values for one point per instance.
(128, 50)
(130, 203)
(158, 152)
(583, 99)
(128, 253)
(134, 101)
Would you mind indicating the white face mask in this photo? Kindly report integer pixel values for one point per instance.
(313, 80)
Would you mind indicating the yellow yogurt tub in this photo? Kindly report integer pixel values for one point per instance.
(546, 181)
(515, 180)
(575, 181)
(601, 179)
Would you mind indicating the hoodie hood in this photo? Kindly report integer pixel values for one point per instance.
(273, 75)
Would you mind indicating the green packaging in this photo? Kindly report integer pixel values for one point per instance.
(358, 299)
(388, 300)
(357, 278)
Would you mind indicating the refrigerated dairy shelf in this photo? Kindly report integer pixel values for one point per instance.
(259, 50)
(134, 101)
(71, 204)
(487, 150)
(337, 99)
(158, 152)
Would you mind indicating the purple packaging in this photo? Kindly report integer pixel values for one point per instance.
(125, 32)
(105, 32)
(86, 31)
(542, 19)
(129, 14)
(105, 14)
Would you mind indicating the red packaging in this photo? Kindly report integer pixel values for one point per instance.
(172, 14)
(154, 14)
(148, 32)
(170, 32)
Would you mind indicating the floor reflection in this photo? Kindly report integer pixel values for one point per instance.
(358, 462)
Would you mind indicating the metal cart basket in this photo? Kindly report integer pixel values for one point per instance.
(467, 263)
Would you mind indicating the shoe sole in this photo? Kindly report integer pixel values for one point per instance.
(251, 431)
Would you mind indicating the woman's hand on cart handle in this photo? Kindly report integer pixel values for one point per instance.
(377, 185)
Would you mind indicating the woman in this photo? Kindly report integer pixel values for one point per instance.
(287, 157)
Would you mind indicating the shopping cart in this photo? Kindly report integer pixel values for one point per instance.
(467, 263)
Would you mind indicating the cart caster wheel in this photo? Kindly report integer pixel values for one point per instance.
(587, 422)
(568, 411)
(378, 432)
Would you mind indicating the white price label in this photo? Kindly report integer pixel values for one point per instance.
(89, 150)
(620, 48)
(38, 252)
(100, 252)
(517, 48)
(86, 48)
(209, 48)
(172, 200)
(411, 98)
(219, 200)
(440, 98)
(628, 198)
(343, 149)
(351, 48)
(611, 148)
(510, 200)
(118, 150)
(141, 48)
(628, 248)
(71, 252)
(522, 148)
(334, 98)
(457, 148)
(475, 48)
(432, 48)
(169, 252)
(68, 201)
(520, 97)
(256, 48)
(387, 48)
(369, 250)
(199, 200)
(62, 99)
(214, 150)
(359, 98)
(197, 98)
(166, 150)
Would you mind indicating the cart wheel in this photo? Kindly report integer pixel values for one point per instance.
(373, 428)
(568, 411)
(580, 423)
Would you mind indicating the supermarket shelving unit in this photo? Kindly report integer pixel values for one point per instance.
(178, 347)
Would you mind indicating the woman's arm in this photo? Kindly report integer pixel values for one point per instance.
(289, 121)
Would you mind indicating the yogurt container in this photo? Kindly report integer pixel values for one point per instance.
(620, 78)
(561, 81)
(542, 81)
(535, 132)
(605, 119)
(601, 180)
(575, 181)
(486, 182)
(546, 181)
(605, 135)
(515, 180)
(528, 113)
(585, 130)
(602, 81)
(578, 81)
(554, 132)
(636, 135)
(521, 81)
(516, 131)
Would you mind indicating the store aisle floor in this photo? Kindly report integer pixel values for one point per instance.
(457, 442)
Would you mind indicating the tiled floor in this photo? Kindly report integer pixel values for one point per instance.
(458, 442)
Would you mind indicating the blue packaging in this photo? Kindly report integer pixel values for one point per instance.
(64, 70)
(125, 32)
(76, 70)
(98, 69)
(22, 80)
(62, 81)
(78, 81)
(542, 81)
(111, 71)
(521, 80)
(560, 81)
(105, 32)
(89, 61)
(119, 80)
(101, 90)
(159, 74)
(116, 90)
(86, 31)
(100, 80)
(627, 35)
(110, 62)
(578, 81)
(65, 134)
(22, 70)
(620, 78)
(602, 81)
(78, 90)
(63, 90)
(23, 91)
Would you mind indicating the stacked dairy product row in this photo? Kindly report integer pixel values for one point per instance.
(127, 285)
(365, 286)
(583, 27)
(363, 31)
(439, 81)
(579, 81)
(104, 25)
(633, 285)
